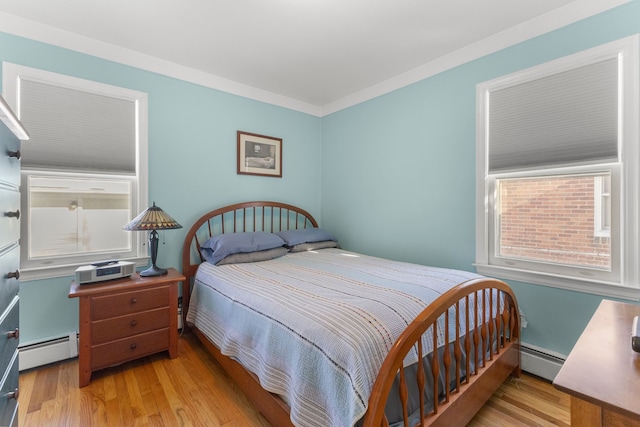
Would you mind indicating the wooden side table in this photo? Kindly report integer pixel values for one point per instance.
(125, 319)
(602, 372)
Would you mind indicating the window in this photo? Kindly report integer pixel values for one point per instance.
(557, 180)
(551, 219)
(83, 171)
(88, 214)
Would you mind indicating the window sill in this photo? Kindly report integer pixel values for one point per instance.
(607, 289)
(69, 270)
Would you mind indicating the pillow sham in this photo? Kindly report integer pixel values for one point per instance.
(221, 246)
(304, 235)
(312, 246)
(254, 256)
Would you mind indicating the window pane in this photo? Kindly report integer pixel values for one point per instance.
(554, 220)
(75, 216)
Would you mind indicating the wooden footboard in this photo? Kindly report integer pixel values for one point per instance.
(497, 331)
(476, 376)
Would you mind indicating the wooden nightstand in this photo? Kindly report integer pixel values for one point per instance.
(122, 320)
(602, 372)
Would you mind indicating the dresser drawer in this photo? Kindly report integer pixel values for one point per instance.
(9, 263)
(8, 335)
(9, 223)
(132, 324)
(9, 166)
(109, 306)
(8, 389)
(120, 351)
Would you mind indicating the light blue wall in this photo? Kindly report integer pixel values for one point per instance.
(192, 161)
(394, 176)
(398, 172)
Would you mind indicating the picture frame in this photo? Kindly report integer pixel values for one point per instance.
(259, 155)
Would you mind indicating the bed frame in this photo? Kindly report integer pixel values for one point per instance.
(499, 332)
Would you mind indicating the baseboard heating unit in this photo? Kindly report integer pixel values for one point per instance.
(49, 351)
(541, 361)
(535, 360)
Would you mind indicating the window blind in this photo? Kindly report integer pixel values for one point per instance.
(75, 130)
(565, 118)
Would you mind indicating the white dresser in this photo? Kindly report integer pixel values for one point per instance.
(11, 133)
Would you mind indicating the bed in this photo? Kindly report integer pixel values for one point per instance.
(386, 375)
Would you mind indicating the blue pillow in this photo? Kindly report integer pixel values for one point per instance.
(219, 247)
(304, 235)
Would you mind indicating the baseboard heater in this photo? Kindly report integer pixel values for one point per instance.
(541, 361)
(49, 351)
(56, 349)
(535, 360)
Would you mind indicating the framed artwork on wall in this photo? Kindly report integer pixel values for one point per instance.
(259, 155)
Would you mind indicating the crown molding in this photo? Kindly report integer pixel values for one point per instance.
(555, 19)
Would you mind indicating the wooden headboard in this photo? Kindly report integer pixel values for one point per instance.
(237, 218)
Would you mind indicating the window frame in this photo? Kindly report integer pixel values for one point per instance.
(58, 266)
(624, 176)
(602, 227)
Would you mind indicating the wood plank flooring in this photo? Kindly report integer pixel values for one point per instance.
(192, 390)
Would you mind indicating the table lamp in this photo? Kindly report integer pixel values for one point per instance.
(152, 219)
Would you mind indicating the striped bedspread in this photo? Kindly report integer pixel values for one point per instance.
(315, 327)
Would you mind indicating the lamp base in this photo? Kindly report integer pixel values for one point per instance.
(153, 271)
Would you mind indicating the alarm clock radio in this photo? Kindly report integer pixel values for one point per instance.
(105, 270)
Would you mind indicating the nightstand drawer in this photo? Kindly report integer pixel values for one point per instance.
(116, 352)
(109, 306)
(132, 324)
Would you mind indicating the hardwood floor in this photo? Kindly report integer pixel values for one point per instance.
(192, 390)
(525, 401)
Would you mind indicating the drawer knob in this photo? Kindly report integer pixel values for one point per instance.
(134, 300)
(13, 275)
(13, 394)
(15, 214)
(134, 323)
(14, 334)
(134, 346)
(15, 154)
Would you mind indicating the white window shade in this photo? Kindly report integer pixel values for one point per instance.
(565, 118)
(77, 130)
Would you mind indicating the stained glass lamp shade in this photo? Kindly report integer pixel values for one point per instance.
(152, 219)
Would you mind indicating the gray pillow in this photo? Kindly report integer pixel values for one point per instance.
(312, 246)
(253, 256)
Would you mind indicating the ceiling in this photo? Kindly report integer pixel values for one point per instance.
(314, 52)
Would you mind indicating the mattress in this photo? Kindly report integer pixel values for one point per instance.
(316, 326)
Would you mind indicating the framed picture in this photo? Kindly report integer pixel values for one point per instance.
(259, 155)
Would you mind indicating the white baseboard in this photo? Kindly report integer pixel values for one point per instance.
(51, 351)
(540, 361)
